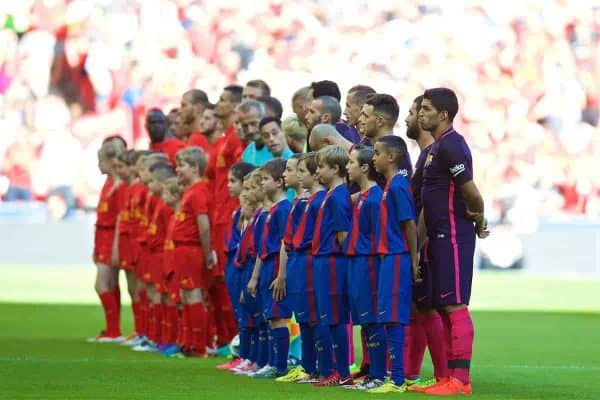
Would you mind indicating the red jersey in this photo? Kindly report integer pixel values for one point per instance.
(170, 147)
(108, 207)
(137, 198)
(159, 223)
(199, 140)
(123, 200)
(193, 204)
(147, 213)
(227, 151)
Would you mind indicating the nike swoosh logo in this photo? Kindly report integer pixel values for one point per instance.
(364, 314)
(421, 298)
(381, 312)
(371, 338)
(443, 296)
(300, 313)
(323, 315)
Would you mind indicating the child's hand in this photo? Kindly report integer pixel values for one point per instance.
(278, 287)
(252, 286)
(211, 260)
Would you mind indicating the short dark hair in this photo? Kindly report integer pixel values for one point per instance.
(272, 104)
(395, 145)
(418, 101)
(260, 84)
(236, 92)
(274, 168)
(267, 120)
(331, 106)
(241, 169)
(162, 171)
(387, 105)
(361, 93)
(209, 106)
(138, 154)
(198, 96)
(326, 88)
(365, 156)
(443, 99)
(127, 157)
(310, 159)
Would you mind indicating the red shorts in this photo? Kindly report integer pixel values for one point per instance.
(157, 277)
(188, 262)
(103, 243)
(173, 288)
(125, 252)
(143, 269)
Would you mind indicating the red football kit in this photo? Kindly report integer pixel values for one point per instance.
(170, 147)
(106, 220)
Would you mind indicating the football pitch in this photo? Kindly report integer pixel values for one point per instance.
(550, 353)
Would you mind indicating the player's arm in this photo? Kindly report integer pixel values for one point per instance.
(204, 231)
(421, 230)
(475, 207)
(410, 233)
(278, 284)
(253, 283)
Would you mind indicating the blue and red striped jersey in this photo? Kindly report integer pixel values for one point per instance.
(245, 250)
(274, 229)
(293, 222)
(257, 232)
(397, 206)
(334, 216)
(362, 239)
(233, 235)
(303, 237)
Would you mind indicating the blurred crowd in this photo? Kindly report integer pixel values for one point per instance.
(527, 76)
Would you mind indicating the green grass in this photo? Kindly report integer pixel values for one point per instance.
(517, 355)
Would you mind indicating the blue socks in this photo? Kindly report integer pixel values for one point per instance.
(324, 350)
(244, 337)
(395, 336)
(376, 339)
(339, 335)
(253, 345)
(271, 344)
(263, 346)
(309, 352)
(281, 348)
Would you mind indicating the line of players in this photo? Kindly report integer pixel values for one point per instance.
(323, 257)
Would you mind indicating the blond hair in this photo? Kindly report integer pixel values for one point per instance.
(172, 186)
(334, 155)
(292, 128)
(111, 149)
(193, 156)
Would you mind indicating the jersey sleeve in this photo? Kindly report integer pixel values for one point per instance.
(341, 212)
(402, 203)
(457, 159)
(199, 203)
(372, 216)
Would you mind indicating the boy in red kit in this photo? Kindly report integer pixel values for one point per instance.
(105, 251)
(126, 174)
(137, 196)
(156, 235)
(193, 257)
(171, 195)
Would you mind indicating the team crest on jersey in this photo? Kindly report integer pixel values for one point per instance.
(180, 216)
(137, 213)
(152, 229)
(125, 215)
(169, 245)
(429, 159)
(103, 207)
(220, 161)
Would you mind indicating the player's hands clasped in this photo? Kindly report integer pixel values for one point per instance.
(481, 225)
(252, 286)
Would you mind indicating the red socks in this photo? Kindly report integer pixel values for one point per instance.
(144, 314)
(170, 325)
(415, 344)
(157, 321)
(186, 340)
(136, 308)
(462, 335)
(111, 314)
(198, 319)
(434, 329)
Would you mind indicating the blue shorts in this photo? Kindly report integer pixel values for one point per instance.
(363, 278)
(300, 287)
(331, 289)
(394, 295)
(250, 313)
(270, 308)
(233, 283)
(451, 270)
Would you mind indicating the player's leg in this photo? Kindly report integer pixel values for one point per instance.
(104, 286)
(197, 323)
(452, 267)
